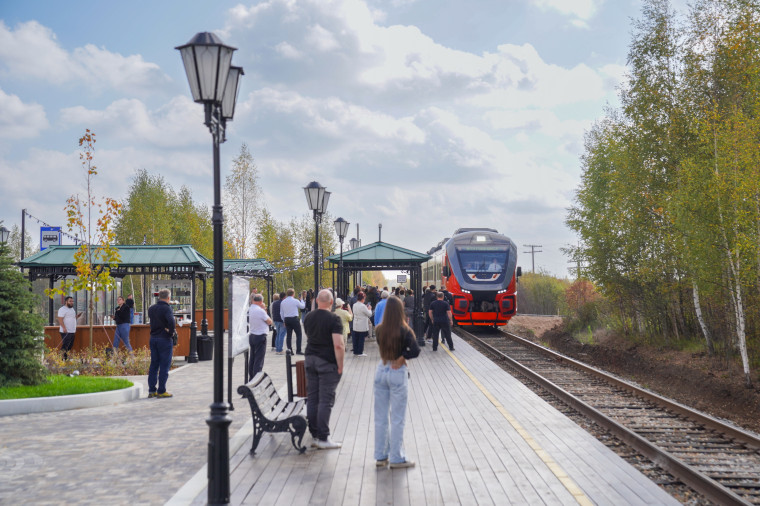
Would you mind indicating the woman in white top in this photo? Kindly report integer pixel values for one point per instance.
(362, 314)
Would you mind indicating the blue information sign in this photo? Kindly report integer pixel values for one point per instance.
(49, 236)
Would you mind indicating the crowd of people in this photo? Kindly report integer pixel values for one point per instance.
(335, 327)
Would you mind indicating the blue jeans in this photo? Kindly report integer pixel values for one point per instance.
(160, 362)
(122, 332)
(279, 327)
(391, 392)
(358, 341)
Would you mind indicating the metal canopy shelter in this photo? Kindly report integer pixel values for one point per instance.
(178, 261)
(252, 268)
(383, 256)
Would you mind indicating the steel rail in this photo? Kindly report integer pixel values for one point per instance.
(737, 433)
(690, 476)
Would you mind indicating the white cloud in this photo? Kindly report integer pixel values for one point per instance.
(19, 120)
(580, 11)
(331, 117)
(32, 51)
(321, 39)
(535, 120)
(288, 51)
(178, 123)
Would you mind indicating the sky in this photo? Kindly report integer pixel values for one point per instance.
(423, 115)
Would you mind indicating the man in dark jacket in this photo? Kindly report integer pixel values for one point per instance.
(161, 331)
(426, 300)
(122, 317)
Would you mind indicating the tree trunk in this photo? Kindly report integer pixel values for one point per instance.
(700, 318)
(90, 310)
(741, 336)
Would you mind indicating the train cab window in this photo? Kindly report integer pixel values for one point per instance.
(482, 263)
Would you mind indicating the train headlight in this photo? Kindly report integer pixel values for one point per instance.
(465, 291)
(501, 291)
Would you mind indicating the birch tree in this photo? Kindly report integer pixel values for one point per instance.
(242, 195)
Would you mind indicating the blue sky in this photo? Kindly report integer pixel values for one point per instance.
(425, 115)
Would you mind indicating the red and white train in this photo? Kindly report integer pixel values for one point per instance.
(478, 266)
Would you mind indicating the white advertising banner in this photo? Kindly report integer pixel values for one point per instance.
(239, 316)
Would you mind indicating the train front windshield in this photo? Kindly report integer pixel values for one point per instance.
(482, 264)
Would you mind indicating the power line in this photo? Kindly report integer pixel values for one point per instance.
(533, 252)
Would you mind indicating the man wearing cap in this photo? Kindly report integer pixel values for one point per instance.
(380, 309)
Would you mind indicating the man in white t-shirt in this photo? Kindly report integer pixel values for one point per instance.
(258, 329)
(67, 321)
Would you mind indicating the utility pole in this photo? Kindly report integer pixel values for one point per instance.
(533, 252)
(379, 232)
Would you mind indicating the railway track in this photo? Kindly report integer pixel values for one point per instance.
(720, 461)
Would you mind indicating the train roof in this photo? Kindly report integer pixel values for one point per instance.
(464, 235)
(463, 230)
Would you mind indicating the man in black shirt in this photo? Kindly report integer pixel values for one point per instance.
(324, 366)
(161, 331)
(440, 314)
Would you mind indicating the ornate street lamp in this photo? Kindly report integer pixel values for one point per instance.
(317, 198)
(214, 83)
(4, 234)
(341, 228)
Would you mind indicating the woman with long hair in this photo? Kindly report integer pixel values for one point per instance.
(396, 342)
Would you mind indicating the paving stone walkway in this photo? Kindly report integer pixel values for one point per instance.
(140, 452)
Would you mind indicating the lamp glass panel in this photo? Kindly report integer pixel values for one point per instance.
(207, 58)
(188, 58)
(230, 93)
(312, 197)
(225, 60)
(325, 199)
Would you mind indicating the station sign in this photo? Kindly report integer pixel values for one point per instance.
(400, 278)
(49, 236)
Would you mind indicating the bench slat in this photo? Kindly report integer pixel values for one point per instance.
(292, 408)
(267, 403)
(278, 408)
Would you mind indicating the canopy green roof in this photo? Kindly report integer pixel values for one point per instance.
(59, 260)
(380, 255)
(248, 266)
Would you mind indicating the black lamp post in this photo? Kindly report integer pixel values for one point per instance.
(354, 243)
(214, 83)
(317, 197)
(341, 228)
(4, 234)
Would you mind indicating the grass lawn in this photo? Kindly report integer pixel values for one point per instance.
(65, 385)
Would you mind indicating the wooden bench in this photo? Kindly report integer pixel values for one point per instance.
(272, 414)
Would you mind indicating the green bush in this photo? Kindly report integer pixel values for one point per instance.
(541, 293)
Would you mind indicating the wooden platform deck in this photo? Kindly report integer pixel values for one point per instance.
(478, 436)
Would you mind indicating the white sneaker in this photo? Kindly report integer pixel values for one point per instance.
(328, 444)
(401, 465)
(362, 355)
